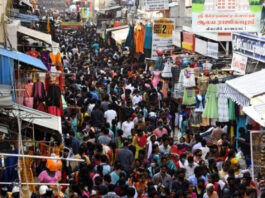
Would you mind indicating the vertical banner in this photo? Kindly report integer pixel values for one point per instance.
(176, 38)
(257, 145)
(155, 5)
(188, 41)
(212, 50)
(201, 46)
(162, 34)
(239, 63)
(226, 15)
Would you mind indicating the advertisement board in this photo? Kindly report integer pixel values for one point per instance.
(71, 25)
(188, 41)
(155, 5)
(249, 45)
(226, 15)
(239, 63)
(162, 34)
(201, 46)
(212, 50)
(176, 38)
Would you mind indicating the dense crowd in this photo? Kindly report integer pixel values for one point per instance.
(125, 131)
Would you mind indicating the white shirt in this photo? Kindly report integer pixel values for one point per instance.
(165, 150)
(190, 170)
(110, 115)
(90, 108)
(136, 99)
(127, 127)
(204, 150)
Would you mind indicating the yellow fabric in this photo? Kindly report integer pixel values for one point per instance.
(27, 174)
(48, 26)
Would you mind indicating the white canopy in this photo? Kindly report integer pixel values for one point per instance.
(257, 113)
(243, 89)
(47, 38)
(5, 96)
(38, 117)
(120, 35)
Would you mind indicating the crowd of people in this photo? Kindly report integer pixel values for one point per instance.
(124, 130)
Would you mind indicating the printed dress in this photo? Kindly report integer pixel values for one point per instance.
(222, 104)
(211, 107)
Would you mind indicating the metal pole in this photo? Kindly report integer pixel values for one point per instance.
(41, 157)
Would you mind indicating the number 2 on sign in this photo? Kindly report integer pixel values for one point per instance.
(164, 29)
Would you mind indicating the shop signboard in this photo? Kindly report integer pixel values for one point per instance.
(239, 63)
(155, 5)
(249, 45)
(212, 50)
(176, 38)
(162, 34)
(188, 41)
(257, 146)
(71, 25)
(226, 15)
(201, 46)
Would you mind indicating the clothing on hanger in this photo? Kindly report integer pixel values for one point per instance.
(222, 104)
(166, 73)
(211, 107)
(200, 102)
(46, 59)
(139, 33)
(148, 36)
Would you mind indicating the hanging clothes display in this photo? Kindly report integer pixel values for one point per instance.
(56, 60)
(156, 78)
(222, 104)
(54, 100)
(46, 59)
(139, 38)
(159, 65)
(28, 99)
(188, 78)
(211, 107)
(166, 73)
(175, 70)
(33, 52)
(148, 36)
(129, 39)
(189, 97)
(202, 84)
(231, 108)
(38, 93)
(200, 103)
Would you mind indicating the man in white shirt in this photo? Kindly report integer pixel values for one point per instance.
(110, 114)
(127, 127)
(190, 166)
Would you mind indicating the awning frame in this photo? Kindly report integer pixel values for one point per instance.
(47, 38)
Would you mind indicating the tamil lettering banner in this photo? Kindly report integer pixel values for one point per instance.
(201, 46)
(162, 34)
(250, 45)
(155, 5)
(226, 15)
(212, 50)
(176, 38)
(239, 63)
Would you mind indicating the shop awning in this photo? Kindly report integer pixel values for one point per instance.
(47, 38)
(26, 2)
(37, 117)
(5, 96)
(23, 58)
(241, 90)
(120, 35)
(256, 113)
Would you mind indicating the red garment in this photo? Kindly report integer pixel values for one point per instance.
(33, 53)
(141, 141)
(54, 110)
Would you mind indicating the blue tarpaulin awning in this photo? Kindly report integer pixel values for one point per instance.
(37, 63)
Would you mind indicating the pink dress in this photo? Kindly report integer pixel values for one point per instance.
(156, 78)
(44, 177)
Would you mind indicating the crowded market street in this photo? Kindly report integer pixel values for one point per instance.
(132, 99)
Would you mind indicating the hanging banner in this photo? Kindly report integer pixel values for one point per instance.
(176, 38)
(226, 15)
(239, 63)
(201, 46)
(212, 50)
(188, 41)
(162, 34)
(257, 145)
(250, 45)
(155, 5)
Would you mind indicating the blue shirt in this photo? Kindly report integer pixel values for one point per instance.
(114, 178)
(192, 179)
